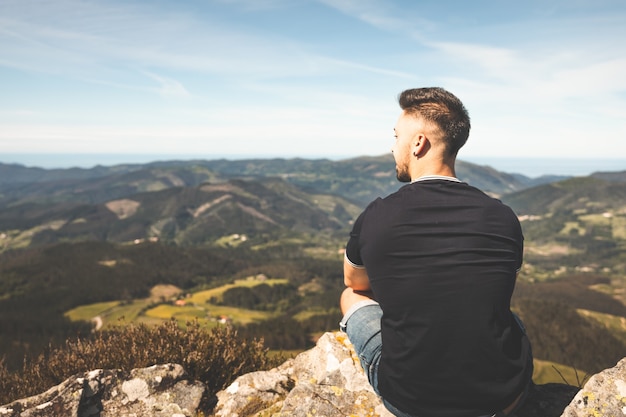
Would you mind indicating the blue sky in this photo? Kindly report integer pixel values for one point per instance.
(308, 78)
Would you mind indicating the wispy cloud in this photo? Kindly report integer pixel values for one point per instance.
(560, 76)
(167, 86)
(254, 5)
(380, 14)
(64, 37)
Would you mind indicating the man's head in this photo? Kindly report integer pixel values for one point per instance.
(433, 120)
(441, 108)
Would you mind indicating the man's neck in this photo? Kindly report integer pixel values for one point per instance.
(432, 169)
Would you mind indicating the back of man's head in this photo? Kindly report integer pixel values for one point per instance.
(443, 109)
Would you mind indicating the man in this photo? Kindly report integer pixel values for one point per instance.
(429, 271)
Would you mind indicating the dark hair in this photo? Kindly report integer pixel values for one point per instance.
(444, 109)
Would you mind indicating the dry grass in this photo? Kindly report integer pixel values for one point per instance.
(213, 357)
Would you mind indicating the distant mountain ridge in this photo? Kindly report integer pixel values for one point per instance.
(598, 191)
(359, 179)
(198, 202)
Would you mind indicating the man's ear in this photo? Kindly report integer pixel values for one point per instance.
(420, 145)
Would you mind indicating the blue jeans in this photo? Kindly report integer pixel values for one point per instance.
(362, 325)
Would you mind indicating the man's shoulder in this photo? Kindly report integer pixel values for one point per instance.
(437, 191)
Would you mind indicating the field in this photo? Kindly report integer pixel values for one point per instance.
(165, 304)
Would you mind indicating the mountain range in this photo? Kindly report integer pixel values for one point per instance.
(70, 237)
(194, 202)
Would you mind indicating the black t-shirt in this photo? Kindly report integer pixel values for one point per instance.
(442, 258)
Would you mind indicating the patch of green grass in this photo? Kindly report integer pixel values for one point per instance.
(89, 311)
(154, 186)
(203, 297)
(206, 312)
(549, 372)
(111, 313)
(618, 226)
(125, 312)
(239, 315)
(182, 314)
(571, 227)
(282, 242)
(18, 239)
(603, 288)
(595, 219)
(232, 241)
(15, 239)
(167, 311)
(163, 311)
(253, 282)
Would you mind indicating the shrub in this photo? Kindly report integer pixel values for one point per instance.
(279, 333)
(213, 357)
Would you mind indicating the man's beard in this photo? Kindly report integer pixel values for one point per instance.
(402, 174)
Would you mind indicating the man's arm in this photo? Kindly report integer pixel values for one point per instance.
(355, 277)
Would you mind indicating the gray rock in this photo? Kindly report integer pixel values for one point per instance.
(324, 381)
(157, 391)
(604, 394)
(256, 391)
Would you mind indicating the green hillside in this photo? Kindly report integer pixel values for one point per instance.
(576, 225)
(184, 216)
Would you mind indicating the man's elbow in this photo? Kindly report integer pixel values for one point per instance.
(348, 282)
(356, 285)
(349, 278)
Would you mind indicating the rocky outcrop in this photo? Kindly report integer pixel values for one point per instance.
(328, 381)
(603, 395)
(324, 381)
(157, 391)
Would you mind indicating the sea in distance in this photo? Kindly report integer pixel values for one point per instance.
(530, 167)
